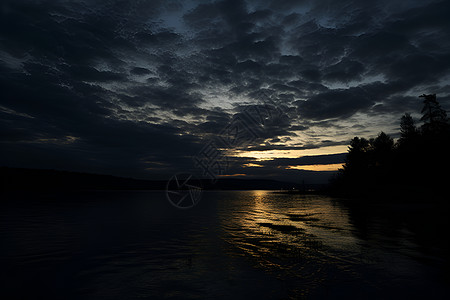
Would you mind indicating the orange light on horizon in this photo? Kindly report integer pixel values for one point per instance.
(252, 165)
(329, 167)
(274, 154)
(231, 175)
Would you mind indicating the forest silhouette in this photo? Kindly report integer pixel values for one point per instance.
(415, 167)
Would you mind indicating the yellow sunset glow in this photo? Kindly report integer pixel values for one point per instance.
(252, 165)
(273, 154)
(231, 175)
(329, 167)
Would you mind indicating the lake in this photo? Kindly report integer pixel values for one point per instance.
(233, 244)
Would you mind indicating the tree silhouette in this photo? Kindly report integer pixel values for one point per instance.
(434, 117)
(408, 130)
(416, 163)
(382, 145)
(358, 157)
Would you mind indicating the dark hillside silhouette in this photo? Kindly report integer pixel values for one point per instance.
(17, 179)
(415, 166)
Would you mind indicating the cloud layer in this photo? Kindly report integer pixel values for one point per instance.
(137, 88)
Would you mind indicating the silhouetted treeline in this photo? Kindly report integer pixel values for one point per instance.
(18, 179)
(415, 166)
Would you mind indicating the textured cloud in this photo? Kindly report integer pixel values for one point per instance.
(138, 87)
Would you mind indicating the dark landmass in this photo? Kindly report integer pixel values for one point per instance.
(247, 184)
(18, 179)
(312, 189)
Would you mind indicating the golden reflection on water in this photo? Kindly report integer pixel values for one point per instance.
(266, 222)
(296, 237)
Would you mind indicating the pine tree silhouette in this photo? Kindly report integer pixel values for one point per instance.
(416, 164)
(434, 117)
(408, 130)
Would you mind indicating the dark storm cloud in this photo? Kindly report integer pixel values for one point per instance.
(140, 84)
(344, 71)
(216, 121)
(335, 104)
(306, 146)
(87, 73)
(398, 104)
(140, 71)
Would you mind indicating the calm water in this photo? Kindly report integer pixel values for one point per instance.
(241, 245)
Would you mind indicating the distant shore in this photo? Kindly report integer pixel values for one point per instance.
(20, 179)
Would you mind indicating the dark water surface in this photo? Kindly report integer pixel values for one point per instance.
(237, 244)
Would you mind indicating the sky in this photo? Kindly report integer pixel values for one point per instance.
(145, 88)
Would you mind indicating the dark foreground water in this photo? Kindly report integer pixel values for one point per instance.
(240, 245)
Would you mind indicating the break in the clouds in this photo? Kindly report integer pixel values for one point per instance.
(136, 88)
